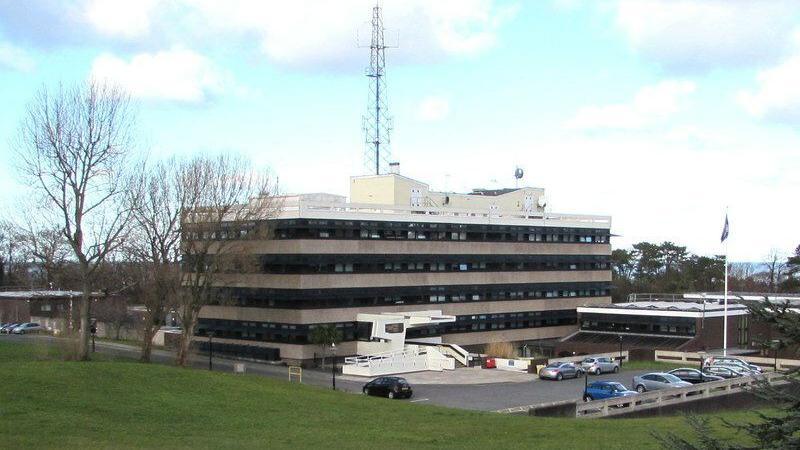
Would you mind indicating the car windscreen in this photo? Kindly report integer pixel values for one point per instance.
(671, 378)
(618, 387)
(554, 365)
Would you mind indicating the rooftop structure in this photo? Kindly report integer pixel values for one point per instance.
(702, 309)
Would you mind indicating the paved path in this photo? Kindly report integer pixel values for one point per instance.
(477, 389)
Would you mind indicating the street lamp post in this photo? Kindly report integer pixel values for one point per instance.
(333, 365)
(210, 349)
(585, 384)
(93, 330)
(620, 350)
(776, 345)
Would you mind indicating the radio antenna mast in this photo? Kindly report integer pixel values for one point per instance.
(377, 123)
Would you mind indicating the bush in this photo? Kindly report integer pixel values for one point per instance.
(500, 350)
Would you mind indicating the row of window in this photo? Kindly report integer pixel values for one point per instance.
(406, 295)
(434, 263)
(350, 331)
(678, 326)
(349, 229)
(492, 322)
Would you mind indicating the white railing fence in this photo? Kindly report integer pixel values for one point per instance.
(412, 358)
(696, 357)
(664, 397)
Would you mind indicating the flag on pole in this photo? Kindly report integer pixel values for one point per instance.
(725, 230)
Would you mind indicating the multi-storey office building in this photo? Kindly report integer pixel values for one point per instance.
(508, 271)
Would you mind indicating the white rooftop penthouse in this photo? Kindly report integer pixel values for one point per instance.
(396, 197)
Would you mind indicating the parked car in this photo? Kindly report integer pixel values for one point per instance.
(8, 327)
(28, 327)
(742, 370)
(694, 376)
(722, 371)
(390, 387)
(729, 361)
(657, 380)
(560, 370)
(599, 365)
(606, 389)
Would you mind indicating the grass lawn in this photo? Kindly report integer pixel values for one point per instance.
(48, 403)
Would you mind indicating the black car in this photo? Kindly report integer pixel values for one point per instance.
(723, 372)
(390, 387)
(694, 376)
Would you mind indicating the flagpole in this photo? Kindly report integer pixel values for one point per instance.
(725, 295)
(725, 315)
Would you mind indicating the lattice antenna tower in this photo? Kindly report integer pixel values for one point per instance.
(377, 123)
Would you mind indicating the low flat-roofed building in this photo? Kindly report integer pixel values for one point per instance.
(683, 322)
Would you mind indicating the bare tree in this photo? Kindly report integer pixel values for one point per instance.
(73, 146)
(47, 249)
(776, 265)
(225, 204)
(155, 245)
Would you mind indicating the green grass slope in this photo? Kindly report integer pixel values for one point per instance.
(48, 403)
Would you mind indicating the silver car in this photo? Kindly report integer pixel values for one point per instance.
(742, 370)
(729, 361)
(28, 327)
(599, 365)
(657, 380)
(560, 370)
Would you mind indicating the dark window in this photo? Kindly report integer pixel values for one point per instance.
(394, 328)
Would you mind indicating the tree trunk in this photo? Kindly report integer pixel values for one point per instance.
(83, 336)
(147, 342)
(186, 340)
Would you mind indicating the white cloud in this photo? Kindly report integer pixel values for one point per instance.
(178, 75)
(127, 19)
(15, 58)
(433, 109)
(650, 105)
(777, 96)
(690, 35)
(322, 32)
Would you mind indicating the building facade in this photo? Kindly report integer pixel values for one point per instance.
(682, 322)
(508, 271)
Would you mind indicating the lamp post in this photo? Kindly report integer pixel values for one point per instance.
(93, 330)
(585, 384)
(333, 365)
(620, 350)
(210, 349)
(776, 345)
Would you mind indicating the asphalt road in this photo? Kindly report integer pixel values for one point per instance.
(487, 397)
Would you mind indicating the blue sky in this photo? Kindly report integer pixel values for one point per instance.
(658, 113)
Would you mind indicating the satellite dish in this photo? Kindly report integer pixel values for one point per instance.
(518, 173)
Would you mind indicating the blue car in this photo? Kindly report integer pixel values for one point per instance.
(606, 389)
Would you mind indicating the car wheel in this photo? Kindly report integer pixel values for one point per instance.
(640, 389)
(21, 331)
(597, 371)
(587, 398)
(391, 394)
(365, 391)
(579, 374)
(616, 369)
(559, 377)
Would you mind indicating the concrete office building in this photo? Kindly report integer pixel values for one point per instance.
(507, 270)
